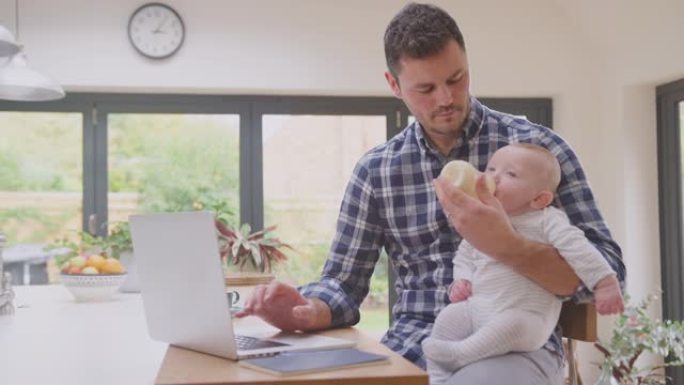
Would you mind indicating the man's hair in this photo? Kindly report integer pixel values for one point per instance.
(550, 162)
(419, 31)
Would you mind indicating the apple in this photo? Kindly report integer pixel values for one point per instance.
(74, 270)
(90, 270)
(77, 261)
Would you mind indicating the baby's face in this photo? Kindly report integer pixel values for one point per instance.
(520, 176)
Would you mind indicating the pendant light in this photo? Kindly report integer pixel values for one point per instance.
(17, 81)
(8, 45)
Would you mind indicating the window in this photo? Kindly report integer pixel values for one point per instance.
(670, 104)
(269, 160)
(307, 163)
(308, 160)
(41, 186)
(310, 146)
(172, 162)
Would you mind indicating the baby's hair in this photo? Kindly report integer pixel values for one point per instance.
(553, 167)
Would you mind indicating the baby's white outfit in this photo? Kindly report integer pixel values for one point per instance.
(507, 311)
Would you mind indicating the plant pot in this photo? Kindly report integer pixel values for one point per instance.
(131, 284)
(244, 283)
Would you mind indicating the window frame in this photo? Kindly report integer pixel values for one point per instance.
(163, 104)
(668, 100)
(95, 107)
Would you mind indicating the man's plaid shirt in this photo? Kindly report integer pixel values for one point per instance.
(390, 202)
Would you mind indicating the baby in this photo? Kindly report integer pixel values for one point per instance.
(494, 309)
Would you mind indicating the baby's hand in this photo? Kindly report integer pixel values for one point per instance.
(460, 290)
(608, 296)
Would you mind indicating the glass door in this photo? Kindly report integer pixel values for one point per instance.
(41, 189)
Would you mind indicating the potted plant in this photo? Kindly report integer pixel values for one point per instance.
(116, 245)
(635, 333)
(86, 244)
(249, 256)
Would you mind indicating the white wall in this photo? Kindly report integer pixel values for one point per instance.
(301, 47)
(600, 61)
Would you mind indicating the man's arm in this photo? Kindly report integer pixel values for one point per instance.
(355, 250)
(544, 265)
(335, 299)
(485, 225)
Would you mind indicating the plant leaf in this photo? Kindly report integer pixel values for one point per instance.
(256, 255)
(262, 233)
(245, 229)
(224, 229)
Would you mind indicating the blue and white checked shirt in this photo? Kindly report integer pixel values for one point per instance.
(390, 202)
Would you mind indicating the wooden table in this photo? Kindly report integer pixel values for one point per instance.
(53, 340)
(182, 366)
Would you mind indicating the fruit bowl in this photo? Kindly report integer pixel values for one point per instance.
(92, 287)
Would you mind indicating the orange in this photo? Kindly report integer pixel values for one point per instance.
(111, 266)
(96, 261)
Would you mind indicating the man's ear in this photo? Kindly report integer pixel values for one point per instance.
(542, 200)
(393, 83)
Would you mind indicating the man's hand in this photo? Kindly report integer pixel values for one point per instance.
(282, 306)
(483, 223)
(460, 290)
(608, 296)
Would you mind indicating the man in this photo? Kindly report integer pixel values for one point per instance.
(393, 201)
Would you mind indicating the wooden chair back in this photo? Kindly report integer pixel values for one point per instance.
(579, 324)
(578, 321)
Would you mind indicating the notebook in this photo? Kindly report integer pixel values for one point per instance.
(184, 293)
(291, 363)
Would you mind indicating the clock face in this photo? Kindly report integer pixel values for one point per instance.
(156, 30)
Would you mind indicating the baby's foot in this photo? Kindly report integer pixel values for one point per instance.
(608, 296)
(442, 352)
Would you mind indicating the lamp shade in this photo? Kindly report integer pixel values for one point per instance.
(20, 83)
(8, 44)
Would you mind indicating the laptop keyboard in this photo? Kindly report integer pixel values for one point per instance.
(251, 343)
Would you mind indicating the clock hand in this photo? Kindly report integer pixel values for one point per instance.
(159, 27)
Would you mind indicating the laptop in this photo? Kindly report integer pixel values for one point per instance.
(184, 293)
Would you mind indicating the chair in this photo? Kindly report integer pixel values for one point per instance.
(579, 324)
(27, 263)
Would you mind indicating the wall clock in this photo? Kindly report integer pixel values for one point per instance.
(156, 30)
